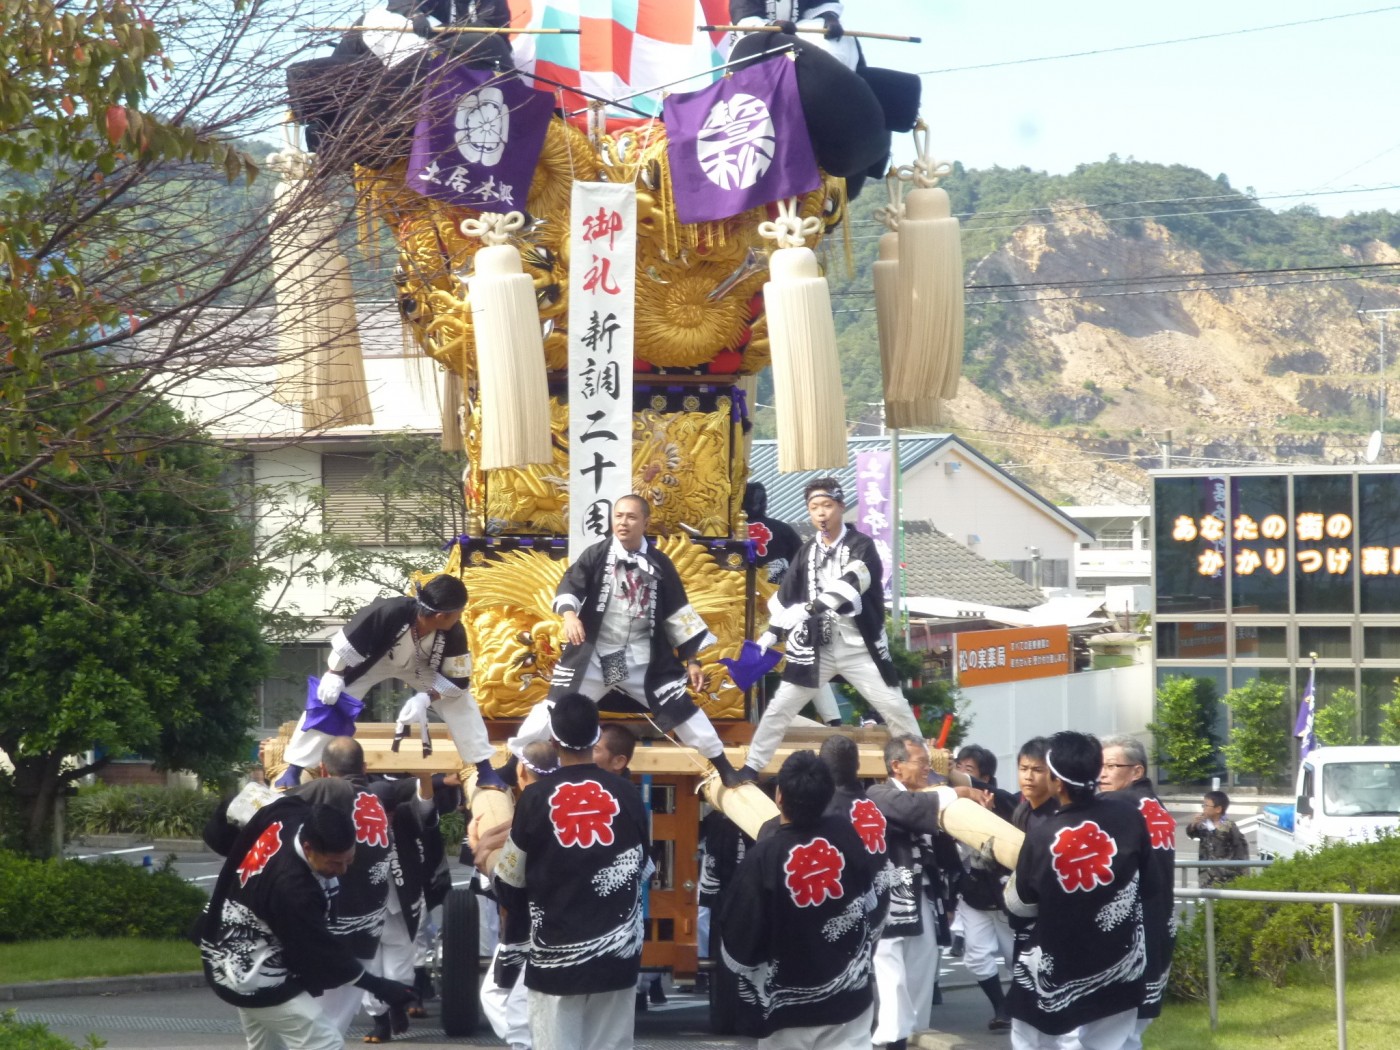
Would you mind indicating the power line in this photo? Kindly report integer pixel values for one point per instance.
(1161, 43)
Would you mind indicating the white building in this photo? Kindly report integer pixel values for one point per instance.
(1117, 563)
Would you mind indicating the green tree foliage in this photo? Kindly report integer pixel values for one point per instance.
(1335, 722)
(1259, 740)
(138, 631)
(1390, 718)
(1184, 731)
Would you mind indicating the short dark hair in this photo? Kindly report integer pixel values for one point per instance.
(897, 749)
(328, 829)
(618, 739)
(1032, 748)
(541, 756)
(986, 761)
(827, 484)
(343, 757)
(641, 502)
(806, 788)
(755, 499)
(443, 593)
(842, 757)
(1076, 757)
(574, 722)
(1218, 798)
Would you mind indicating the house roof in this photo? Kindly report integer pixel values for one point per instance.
(785, 500)
(938, 566)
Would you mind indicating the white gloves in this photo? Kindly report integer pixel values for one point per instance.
(766, 641)
(332, 685)
(415, 709)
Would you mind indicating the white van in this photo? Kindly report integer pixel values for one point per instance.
(1344, 794)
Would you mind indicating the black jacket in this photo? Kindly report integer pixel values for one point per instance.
(911, 822)
(265, 936)
(375, 629)
(799, 926)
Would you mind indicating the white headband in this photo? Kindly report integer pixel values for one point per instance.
(1060, 776)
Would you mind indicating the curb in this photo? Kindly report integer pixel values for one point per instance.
(159, 847)
(151, 982)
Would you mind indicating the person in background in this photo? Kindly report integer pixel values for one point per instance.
(614, 750)
(1125, 775)
(1219, 838)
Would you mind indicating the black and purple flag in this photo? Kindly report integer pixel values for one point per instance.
(739, 143)
(477, 139)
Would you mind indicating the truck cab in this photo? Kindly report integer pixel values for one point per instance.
(1343, 794)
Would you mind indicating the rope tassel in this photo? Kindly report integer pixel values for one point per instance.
(928, 347)
(806, 371)
(512, 384)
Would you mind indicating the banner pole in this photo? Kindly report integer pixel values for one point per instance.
(901, 594)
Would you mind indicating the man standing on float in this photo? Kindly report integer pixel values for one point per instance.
(630, 628)
(831, 607)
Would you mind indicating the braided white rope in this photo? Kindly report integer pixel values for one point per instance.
(789, 229)
(493, 227)
(892, 212)
(926, 171)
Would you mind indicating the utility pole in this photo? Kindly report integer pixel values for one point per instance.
(1381, 399)
(1167, 450)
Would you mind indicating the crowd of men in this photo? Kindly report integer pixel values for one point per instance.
(831, 924)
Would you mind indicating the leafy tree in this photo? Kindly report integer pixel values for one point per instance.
(1259, 740)
(1184, 731)
(156, 651)
(1334, 723)
(1390, 718)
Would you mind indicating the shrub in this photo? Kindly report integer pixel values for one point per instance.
(153, 812)
(109, 898)
(1390, 718)
(1185, 729)
(31, 1035)
(1334, 723)
(1258, 736)
(1260, 939)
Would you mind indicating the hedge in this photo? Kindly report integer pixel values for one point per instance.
(1260, 939)
(23, 1035)
(152, 812)
(41, 899)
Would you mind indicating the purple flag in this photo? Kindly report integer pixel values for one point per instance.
(739, 143)
(873, 511)
(478, 137)
(1303, 727)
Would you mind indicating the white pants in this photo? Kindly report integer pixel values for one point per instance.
(507, 1009)
(828, 710)
(702, 932)
(341, 1005)
(394, 959)
(1134, 1041)
(853, 1035)
(986, 934)
(427, 932)
(696, 731)
(603, 1021)
(906, 969)
(853, 662)
(297, 1024)
(461, 714)
(1107, 1033)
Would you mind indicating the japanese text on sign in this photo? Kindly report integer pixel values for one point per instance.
(874, 509)
(602, 279)
(1010, 654)
(1308, 527)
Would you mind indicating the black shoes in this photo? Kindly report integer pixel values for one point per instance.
(729, 776)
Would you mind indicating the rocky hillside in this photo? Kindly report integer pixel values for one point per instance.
(1086, 351)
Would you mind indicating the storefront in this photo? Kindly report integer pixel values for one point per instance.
(1254, 569)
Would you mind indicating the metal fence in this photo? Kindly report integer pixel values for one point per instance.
(1336, 900)
(1183, 865)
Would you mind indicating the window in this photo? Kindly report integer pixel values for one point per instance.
(1054, 572)
(365, 501)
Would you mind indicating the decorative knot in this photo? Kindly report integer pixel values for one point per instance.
(926, 171)
(789, 229)
(493, 227)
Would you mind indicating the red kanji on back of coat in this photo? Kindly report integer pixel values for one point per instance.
(262, 851)
(582, 814)
(371, 822)
(814, 873)
(1083, 857)
(869, 823)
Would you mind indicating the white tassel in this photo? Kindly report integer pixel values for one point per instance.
(452, 405)
(806, 370)
(929, 344)
(900, 413)
(320, 365)
(512, 385)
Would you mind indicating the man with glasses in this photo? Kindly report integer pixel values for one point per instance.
(1125, 776)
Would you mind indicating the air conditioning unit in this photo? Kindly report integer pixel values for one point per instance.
(951, 467)
(973, 539)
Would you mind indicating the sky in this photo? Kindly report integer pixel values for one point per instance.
(1299, 111)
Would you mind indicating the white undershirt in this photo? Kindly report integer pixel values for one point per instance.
(621, 628)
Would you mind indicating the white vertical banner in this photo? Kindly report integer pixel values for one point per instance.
(602, 301)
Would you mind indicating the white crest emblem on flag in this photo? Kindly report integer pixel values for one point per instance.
(483, 126)
(736, 143)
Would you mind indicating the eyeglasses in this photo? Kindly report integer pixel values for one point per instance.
(1120, 765)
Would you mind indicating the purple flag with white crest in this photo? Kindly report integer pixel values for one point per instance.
(874, 510)
(739, 143)
(478, 137)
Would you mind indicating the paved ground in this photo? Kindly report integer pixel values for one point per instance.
(194, 1019)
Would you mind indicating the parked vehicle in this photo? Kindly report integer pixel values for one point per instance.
(1343, 794)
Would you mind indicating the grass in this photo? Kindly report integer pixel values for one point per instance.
(1301, 1016)
(94, 957)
